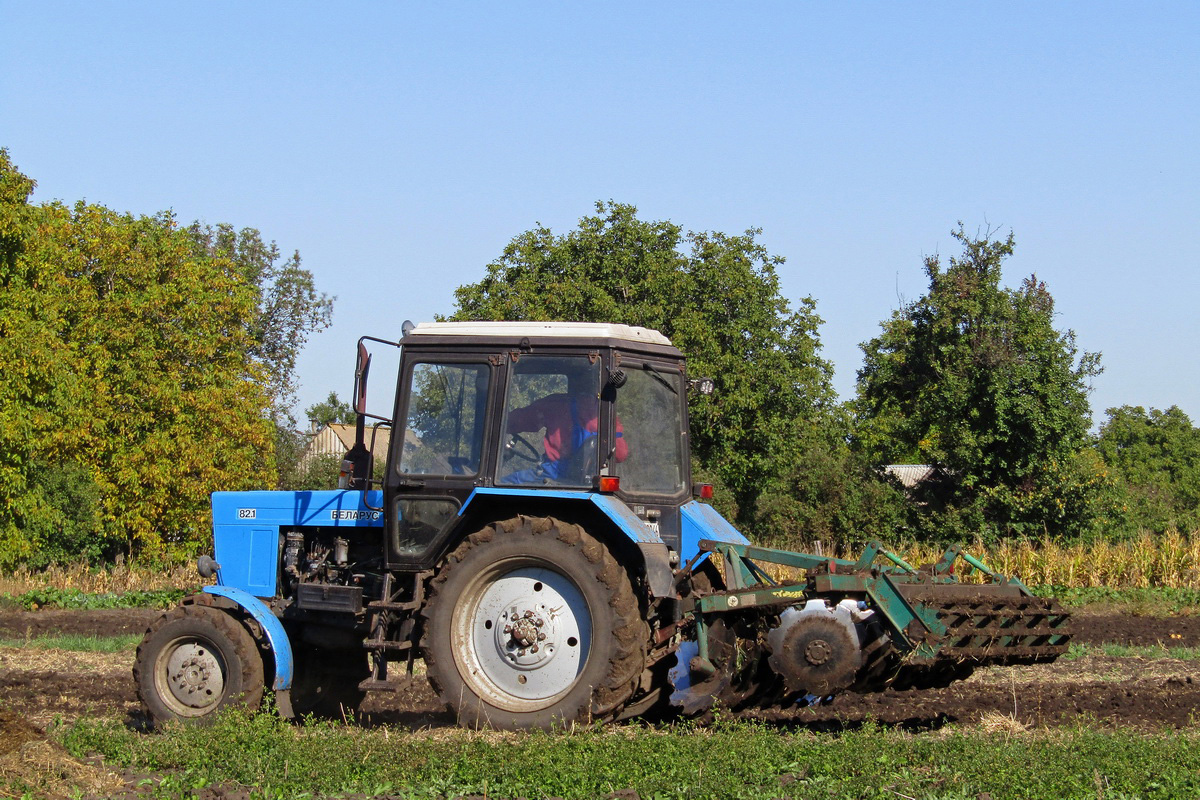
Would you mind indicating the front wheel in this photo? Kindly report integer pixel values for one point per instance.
(532, 623)
(195, 660)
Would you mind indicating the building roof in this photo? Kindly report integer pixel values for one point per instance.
(909, 475)
(337, 438)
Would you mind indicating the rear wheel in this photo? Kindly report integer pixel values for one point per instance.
(531, 623)
(194, 661)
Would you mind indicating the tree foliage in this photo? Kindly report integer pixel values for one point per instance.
(332, 409)
(716, 296)
(1156, 456)
(138, 376)
(975, 379)
(288, 307)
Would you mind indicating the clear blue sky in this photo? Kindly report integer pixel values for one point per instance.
(399, 146)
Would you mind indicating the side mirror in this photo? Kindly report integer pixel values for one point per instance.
(362, 369)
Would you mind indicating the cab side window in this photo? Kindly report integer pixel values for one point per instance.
(650, 414)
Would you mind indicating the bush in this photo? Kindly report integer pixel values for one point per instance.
(62, 519)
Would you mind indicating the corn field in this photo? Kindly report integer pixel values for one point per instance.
(1170, 560)
(98, 580)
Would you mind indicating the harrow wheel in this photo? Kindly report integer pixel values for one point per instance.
(532, 622)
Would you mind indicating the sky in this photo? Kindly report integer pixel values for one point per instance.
(399, 146)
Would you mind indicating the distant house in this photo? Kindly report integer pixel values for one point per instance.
(910, 475)
(336, 439)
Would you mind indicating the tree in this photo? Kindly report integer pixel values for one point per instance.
(288, 307)
(131, 386)
(331, 410)
(974, 379)
(1156, 457)
(716, 296)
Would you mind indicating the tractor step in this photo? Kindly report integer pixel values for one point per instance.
(385, 605)
(378, 644)
(373, 685)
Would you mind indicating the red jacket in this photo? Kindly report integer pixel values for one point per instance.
(555, 413)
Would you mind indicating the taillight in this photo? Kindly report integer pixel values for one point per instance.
(704, 491)
(610, 483)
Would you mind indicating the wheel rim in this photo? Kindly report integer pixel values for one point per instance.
(190, 676)
(522, 634)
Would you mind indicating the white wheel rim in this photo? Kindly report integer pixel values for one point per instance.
(190, 674)
(522, 634)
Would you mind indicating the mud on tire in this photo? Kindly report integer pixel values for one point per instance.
(532, 623)
(194, 661)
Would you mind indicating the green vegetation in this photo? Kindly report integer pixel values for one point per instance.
(1155, 455)
(145, 365)
(1127, 651)
(974, 379)
(1166, 600)
(75, 598)
(78, 643)
(726, 760)
(148, 363)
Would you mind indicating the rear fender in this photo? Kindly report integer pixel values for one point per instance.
(485, 503)
(277, 640)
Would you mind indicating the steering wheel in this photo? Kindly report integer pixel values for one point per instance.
(526, 451)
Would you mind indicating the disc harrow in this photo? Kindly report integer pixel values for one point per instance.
(854, 626)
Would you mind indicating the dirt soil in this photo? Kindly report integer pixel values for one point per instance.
(37, 685)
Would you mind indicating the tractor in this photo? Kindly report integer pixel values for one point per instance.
(530, 533)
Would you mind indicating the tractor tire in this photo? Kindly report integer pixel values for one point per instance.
(194, 661)
(532, 623)
(326, 683)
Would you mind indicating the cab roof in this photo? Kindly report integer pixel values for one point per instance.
(564, 332)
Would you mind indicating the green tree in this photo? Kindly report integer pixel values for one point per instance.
(288, 307)
(329, 411)
(717, 297)
(1156, 457)
(974, 379)
(131, 389)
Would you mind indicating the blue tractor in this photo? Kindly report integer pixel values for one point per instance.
(532, 535)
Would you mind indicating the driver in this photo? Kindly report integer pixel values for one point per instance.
(570, 420)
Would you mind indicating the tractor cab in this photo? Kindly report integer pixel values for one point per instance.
(514, 409)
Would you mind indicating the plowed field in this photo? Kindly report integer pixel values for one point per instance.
(1127, 692)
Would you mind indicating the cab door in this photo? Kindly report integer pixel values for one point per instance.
(650, 414)
(444, 413)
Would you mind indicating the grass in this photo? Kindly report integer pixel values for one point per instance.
(78, 599)
(726, 760)
(79, 643)
(1128, 651)
(1153, 601)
